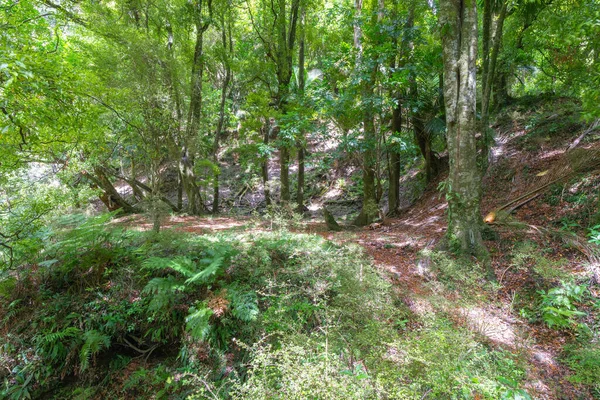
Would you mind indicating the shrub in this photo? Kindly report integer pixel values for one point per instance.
(558, 306)
(585, 363)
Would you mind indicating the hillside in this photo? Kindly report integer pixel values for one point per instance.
(204, 307)
(300, 199)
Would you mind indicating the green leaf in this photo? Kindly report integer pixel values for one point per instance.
(197, 322)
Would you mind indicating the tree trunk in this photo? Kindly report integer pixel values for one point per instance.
(113, 199)
(179, 190)
(265, 165)
(300, 141)
(489, 73)
(221, 122)
(370, 206)
(422, 138)
(286, 38)
(284, 165)
(394, 189)
(501, 96)
(459, 42)
(195, 110)
(396, 127)
(486, 42)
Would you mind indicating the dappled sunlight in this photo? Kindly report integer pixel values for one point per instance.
(189, 224)
(496, 325)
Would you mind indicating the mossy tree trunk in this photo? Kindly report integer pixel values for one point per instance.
(491, 49)
(195, 111)
(370, 207)
(459, 41)
(394, 172)
(286, 38)
(265, 165)
(301, 83)
(227, 41)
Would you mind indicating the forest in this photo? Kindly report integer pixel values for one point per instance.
(300, 199)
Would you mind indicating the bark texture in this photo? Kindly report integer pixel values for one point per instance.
(370, 206)
(300, 141)
(491, 43)
(458, 20)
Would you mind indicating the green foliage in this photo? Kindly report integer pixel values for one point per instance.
(244, 305)
(197, 322)
(93, 343)
(446, 361)
(585, 363)
(292, 372)
(528, 257)
(558, 305)
(455, 272)
(594, 235)
(129, 293)
(56, 345)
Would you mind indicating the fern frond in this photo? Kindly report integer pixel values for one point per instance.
(94, 343)
(53, 345)
(182, 265)
(163, 285)
(244, 305)
(209, 273)
(163, 290)
(54, 337)
(197, 322)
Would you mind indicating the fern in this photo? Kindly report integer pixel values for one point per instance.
(197, 322)
(208, 274)
(52, 345)
(182, 265)
(156, 263)
(162, 289)
(244, 305)
(93, 344)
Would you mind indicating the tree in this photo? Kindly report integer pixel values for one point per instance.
(491, 49)
(458, 21)
(367, 67)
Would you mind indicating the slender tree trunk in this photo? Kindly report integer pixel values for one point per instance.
(396, 127)
(394, 189)
(486, 41)
(286, 38)
(458, 19)
(501, 96)
(265, 166)
(179, 190)
(284, 165)
(195, 110)
(370, 206)
(300, 141)
(221, 122)
(489, 73)
(422, 138)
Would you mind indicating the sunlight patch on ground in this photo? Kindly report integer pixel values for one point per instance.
(487, 323)
(184, 223)
(333, 193)
(419, 306)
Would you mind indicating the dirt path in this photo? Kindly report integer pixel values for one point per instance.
(395, 248)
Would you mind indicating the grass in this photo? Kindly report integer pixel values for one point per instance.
(229, 315)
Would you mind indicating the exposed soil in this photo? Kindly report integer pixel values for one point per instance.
(396, 244)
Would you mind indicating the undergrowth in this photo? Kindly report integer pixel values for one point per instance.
(114, 313)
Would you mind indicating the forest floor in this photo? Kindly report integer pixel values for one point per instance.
(396, 247)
